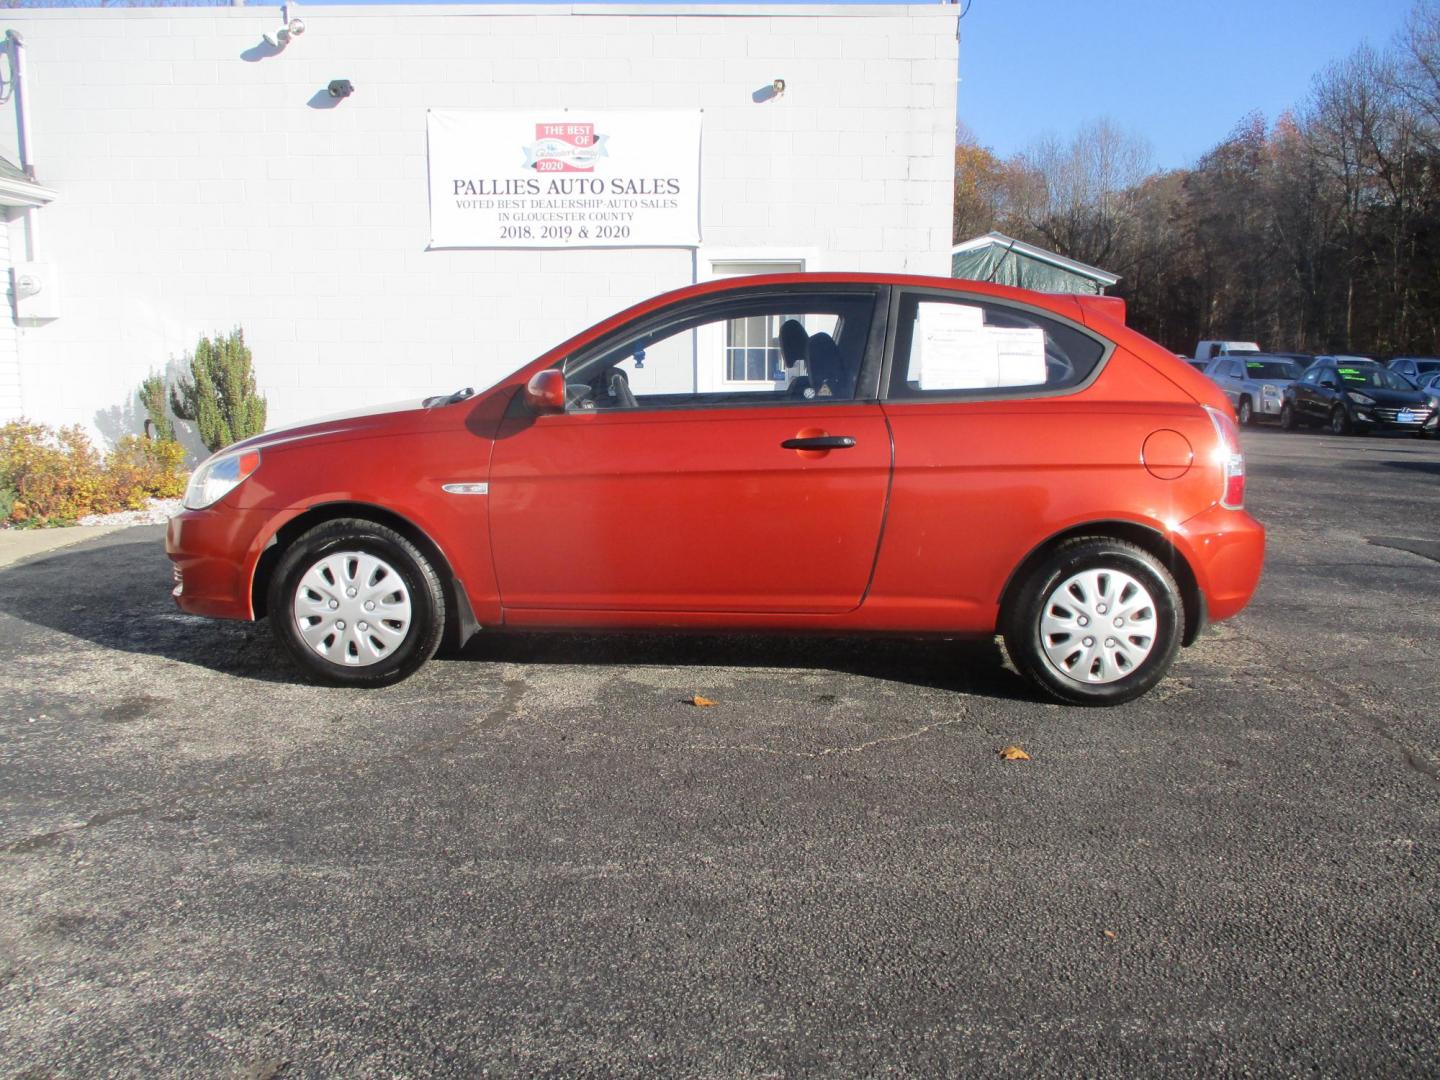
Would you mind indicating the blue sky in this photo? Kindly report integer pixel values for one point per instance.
(1179, 72)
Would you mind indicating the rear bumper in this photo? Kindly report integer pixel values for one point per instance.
(1226, 551)
(214, 553)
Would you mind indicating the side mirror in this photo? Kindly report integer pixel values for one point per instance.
(545, 393)
(1329, 384)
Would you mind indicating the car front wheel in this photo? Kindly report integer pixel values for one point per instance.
(1287, 417)
(1245, 412)
(1340, 421)
(1097, 623)
(356, 604)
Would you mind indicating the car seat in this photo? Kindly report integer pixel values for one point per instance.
(827, 368)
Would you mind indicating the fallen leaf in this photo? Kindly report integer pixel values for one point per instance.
(1110, 934)
(1014, 753)
(702, 702)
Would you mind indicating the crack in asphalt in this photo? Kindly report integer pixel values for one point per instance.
(507, 708)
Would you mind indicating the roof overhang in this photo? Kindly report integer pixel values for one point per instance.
(997, 239)
(17, 192)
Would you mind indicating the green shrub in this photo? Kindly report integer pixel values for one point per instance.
(57, 476)
(219, 395)
(139, 469)
(152, 400)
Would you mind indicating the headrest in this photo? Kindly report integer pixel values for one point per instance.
(823, 350)
(793, 342)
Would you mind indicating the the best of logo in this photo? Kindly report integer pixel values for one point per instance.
(565, 148)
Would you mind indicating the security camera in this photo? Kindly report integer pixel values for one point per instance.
(341, 88)
(278, 39)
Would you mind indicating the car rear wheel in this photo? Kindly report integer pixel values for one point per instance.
(1097, 623)
(1340, 421)
(1245, 412)
(356, 604)
(1287, 417)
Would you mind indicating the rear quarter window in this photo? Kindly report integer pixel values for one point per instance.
(965, 347)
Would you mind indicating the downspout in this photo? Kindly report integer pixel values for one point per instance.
(16, 45)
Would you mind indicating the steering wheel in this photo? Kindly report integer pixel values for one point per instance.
(577, 397)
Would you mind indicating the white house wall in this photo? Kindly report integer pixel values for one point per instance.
(199, 189)
(11, 399)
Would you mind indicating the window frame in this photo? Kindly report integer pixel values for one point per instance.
(986, 393)
(712, 309)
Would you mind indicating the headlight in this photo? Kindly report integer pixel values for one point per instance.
(218, 476)
(1270, 391)
(1360, 399)
(1435, 403)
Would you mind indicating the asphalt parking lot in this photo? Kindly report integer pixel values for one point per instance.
(537, 859)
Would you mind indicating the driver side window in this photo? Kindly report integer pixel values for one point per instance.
(793, 347)
(964, 347)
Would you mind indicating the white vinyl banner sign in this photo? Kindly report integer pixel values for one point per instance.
(553, 178)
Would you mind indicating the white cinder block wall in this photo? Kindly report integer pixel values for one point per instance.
(199, 189)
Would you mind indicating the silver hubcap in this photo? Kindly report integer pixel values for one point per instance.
(352, 608)
(1098, 626)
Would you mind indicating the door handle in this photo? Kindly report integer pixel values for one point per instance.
(819, 442)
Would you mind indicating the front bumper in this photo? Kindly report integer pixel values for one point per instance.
(213, 553)
(1388, 419)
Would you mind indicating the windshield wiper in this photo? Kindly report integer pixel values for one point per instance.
(449, 399)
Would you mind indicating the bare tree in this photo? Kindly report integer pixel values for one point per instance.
(1082, 187)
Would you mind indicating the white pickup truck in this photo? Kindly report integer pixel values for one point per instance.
(1205, 351)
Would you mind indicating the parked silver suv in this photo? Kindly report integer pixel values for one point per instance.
(1255, 382)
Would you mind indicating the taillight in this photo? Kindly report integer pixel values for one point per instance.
(1230, 458)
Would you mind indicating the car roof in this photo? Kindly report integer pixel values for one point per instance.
(1073, 306)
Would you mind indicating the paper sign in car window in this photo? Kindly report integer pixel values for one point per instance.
(1019, 355)
(1350, 374)
(955, 351)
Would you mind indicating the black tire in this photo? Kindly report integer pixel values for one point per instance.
(1245, 412)
(1020, 622)
(1340, 421)
(422, 634)
(1288, 421)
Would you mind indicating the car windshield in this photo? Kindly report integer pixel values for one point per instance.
(1271, 369)
(1375, 376)
(1425, 367)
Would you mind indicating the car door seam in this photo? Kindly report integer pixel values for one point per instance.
(884, 511)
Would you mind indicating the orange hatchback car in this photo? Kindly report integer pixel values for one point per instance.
(808, 453)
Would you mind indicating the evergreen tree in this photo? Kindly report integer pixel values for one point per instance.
(219, 395)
